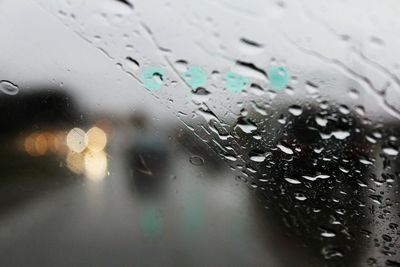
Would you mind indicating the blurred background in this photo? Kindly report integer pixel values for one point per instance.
(97, 170)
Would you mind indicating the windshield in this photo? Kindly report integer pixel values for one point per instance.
(208, 133)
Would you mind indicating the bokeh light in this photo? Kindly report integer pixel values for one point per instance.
(96, 139)
(41, 145)
(75, 162)
(95, 165)
(76, 140)
(29, 144)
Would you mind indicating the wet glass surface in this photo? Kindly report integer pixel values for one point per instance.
(211, 133)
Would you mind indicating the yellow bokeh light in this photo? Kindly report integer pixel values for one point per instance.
(96, 139)
(95, 165)
(75, 162)
(59, 142)
(41, 145)
(76, 140)
(29, 144)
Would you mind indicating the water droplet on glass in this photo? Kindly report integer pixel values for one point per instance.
(8, 87)
(313, 178)
(132, 64)
(366, 162)
(390, 151)
(339, 134)
(343, 169)
(300, 196)
(201, 91)
(196, 160)
(246, 125)
(257, 156)
(327, 233)
(370, 139)
(353, 93)
(250, 70)
(312, 88)
(376, 41)
(360, 110)
(284, 148)
(181, 65)
(318, 150)
(295, 110)
(331, 252)
(387, 238)
(321, 121)
(256, 89)
(250, 47)
(292, 181)
(377, 199)
(344, 109)
(126, 3)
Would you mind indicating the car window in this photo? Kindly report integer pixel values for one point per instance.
(199, 133)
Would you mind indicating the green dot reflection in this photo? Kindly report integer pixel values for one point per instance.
(235, 82)
(278, 77)
(150, 221)
(152, 77)
(195, 77)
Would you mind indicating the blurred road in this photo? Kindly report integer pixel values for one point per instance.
(105, 223)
